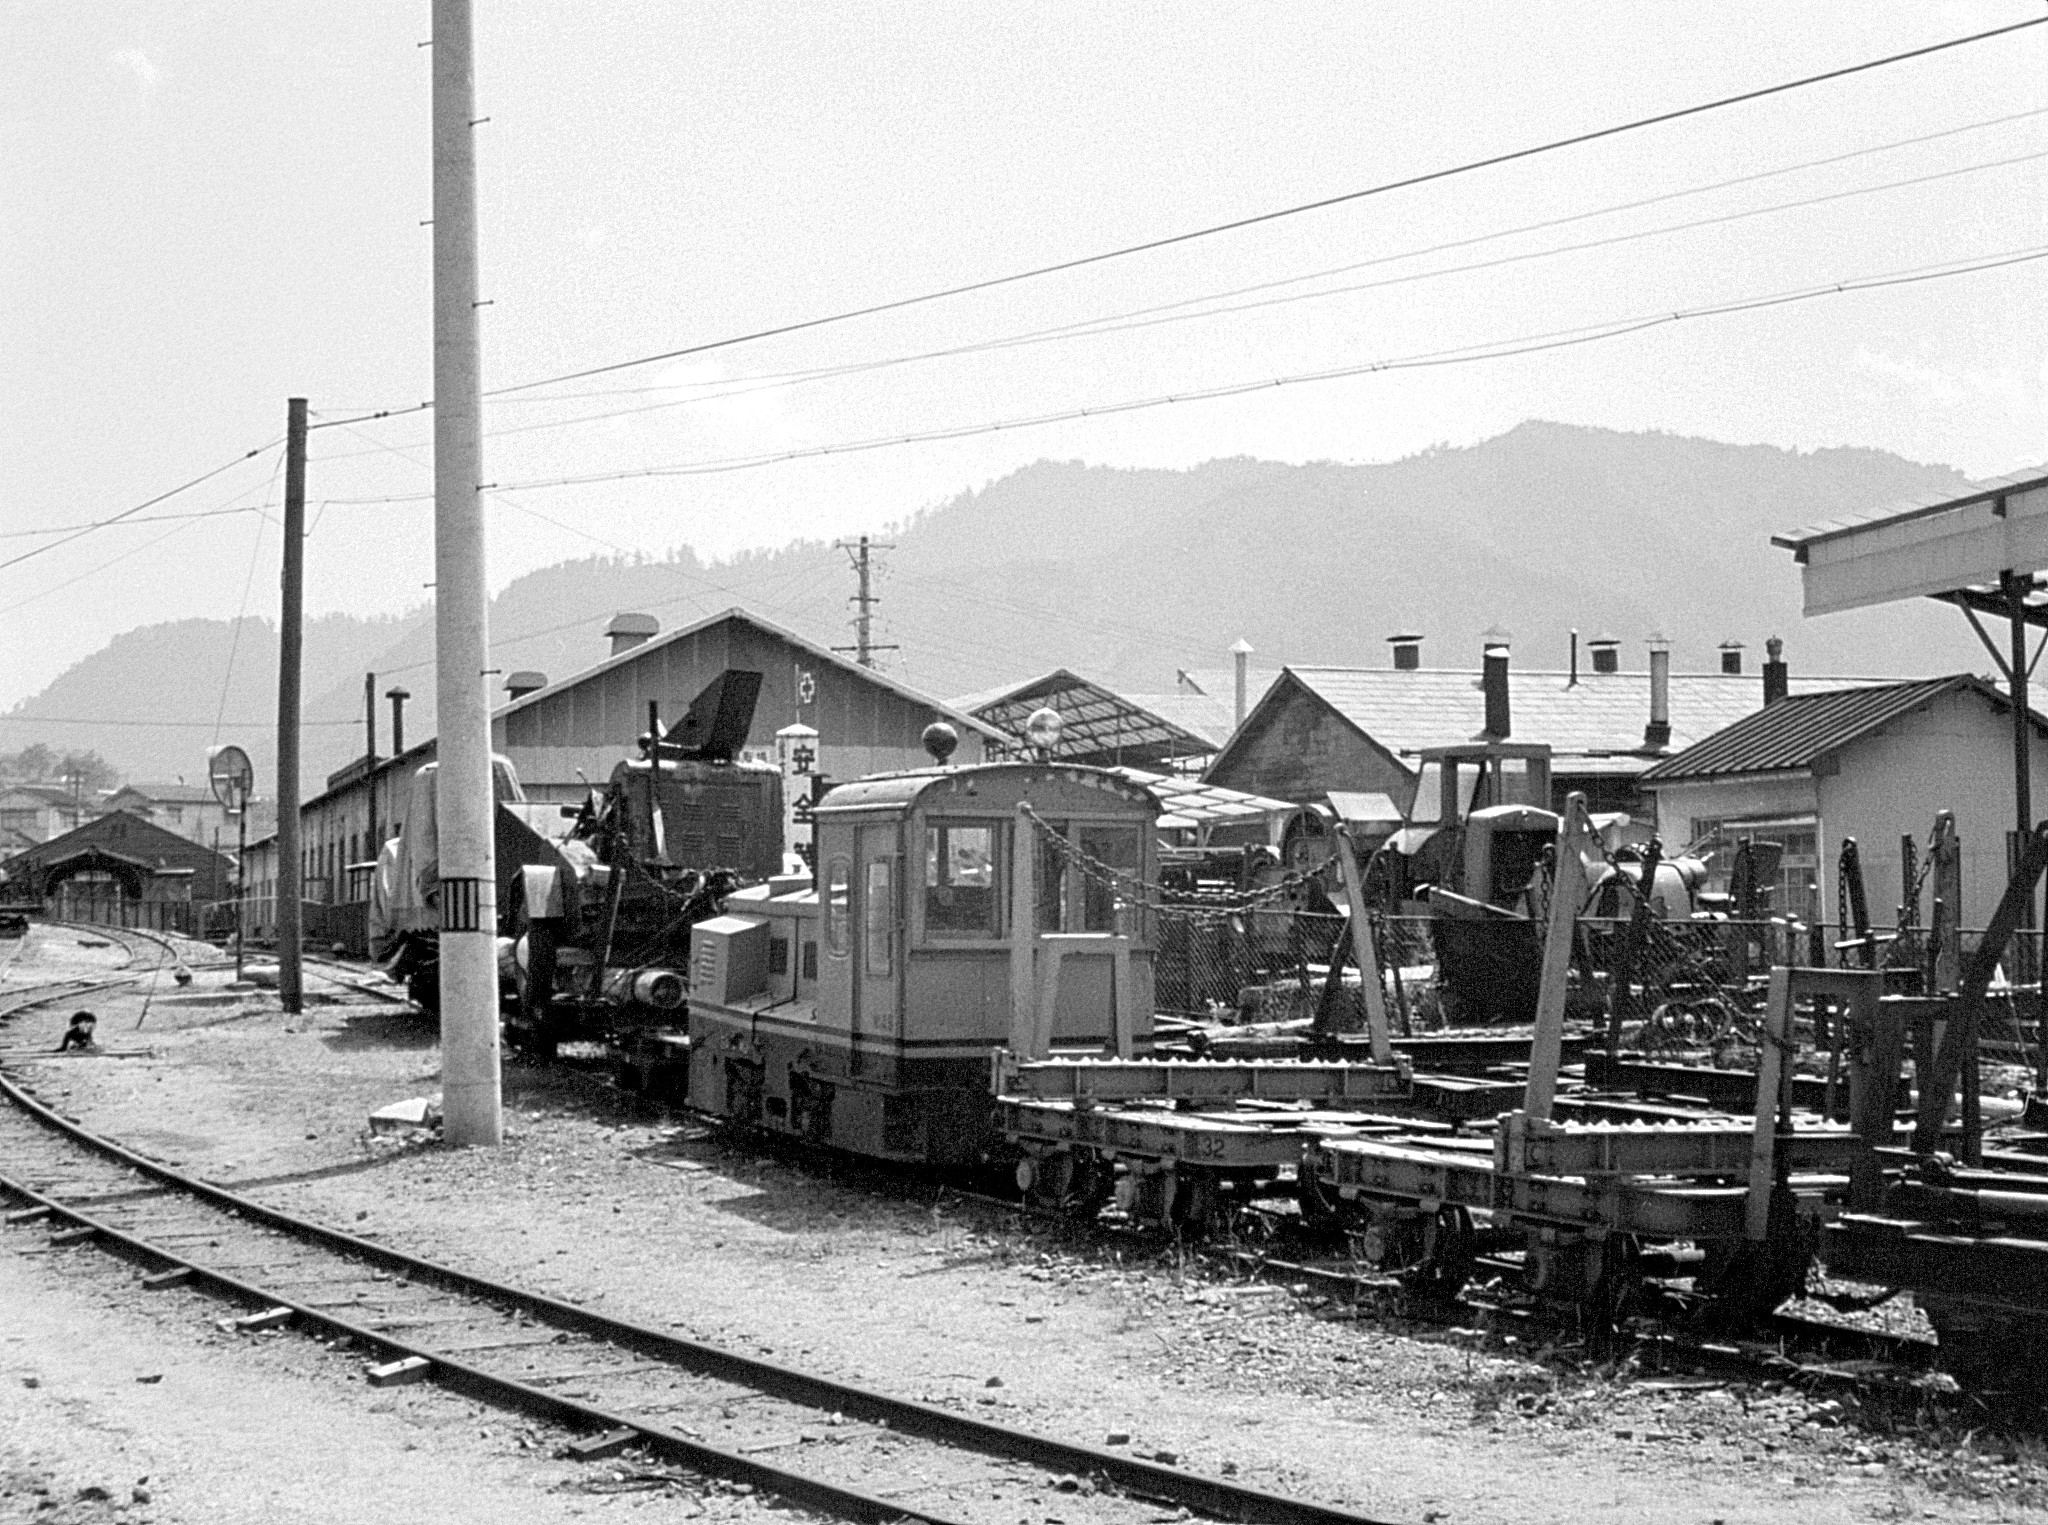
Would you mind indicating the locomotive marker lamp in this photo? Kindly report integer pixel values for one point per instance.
(1042, 732)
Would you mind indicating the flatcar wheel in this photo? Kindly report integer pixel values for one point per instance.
(1196, 1204)
(1319, 1207)
(1090, 1185)
(1047, 1180)
(1448, 1265)
(1988, 1350)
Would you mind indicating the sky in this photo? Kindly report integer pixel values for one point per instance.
(207, 208)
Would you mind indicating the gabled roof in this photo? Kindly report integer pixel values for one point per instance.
(168, 794)
(1099, 724)
(49, 794)
(811, 649)
(1798, 732)
(1592, 726)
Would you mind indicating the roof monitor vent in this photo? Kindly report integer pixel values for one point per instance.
(520, 684)
(1731, 658)
(1657, 734)
(940, 740)
(1407, 652)
(1777, 676)
(630, 630)
(1493, 682)
(1606, 651)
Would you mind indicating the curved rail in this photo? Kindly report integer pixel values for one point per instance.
(1147, 1480)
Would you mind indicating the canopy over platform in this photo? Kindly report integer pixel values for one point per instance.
(1098, 725)
(1958, 549)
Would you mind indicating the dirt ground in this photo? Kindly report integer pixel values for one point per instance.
(823, 1264)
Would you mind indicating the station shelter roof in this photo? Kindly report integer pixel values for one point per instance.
(1099, 725)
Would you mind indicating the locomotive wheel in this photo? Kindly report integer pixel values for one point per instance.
(1196, 1204)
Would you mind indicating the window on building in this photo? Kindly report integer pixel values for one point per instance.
(1796, 889)
(962, 881)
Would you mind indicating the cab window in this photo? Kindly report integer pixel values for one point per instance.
(881, 915)
(961, 879)
(1102, 896)
(838, 883)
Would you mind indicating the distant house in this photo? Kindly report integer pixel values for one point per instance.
(1319, 729)
(1872, 763)
(122, 870)
(188, 809)
(32, 813)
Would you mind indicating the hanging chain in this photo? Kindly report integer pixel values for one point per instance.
(1153, 896)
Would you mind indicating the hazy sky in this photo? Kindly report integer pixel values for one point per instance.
(206, 208)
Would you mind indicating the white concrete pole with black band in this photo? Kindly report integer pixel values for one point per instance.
(469, 911)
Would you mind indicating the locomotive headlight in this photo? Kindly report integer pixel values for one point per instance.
(1042, 731)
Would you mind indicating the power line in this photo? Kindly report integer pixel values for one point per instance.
(204, 476)
(1256, 219)
(1462, 355)
(1171, 312)
(194, 725)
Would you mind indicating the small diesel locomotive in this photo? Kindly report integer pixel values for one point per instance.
(955, 912)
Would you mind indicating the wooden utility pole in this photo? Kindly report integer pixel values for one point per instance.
(465, 803)
(290, 633)
(857, 552)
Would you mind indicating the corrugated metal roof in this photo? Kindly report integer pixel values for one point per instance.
(1799, 731)
(1910, 508)
(1593, 725)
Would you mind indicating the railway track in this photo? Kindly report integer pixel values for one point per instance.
(819, 1443)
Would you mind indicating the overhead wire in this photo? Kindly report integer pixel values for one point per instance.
(1253, 220)
(128, 513)
(1460, 355)
(248, 582)
(725, 389)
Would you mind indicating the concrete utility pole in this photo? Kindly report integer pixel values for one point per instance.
(290, 632)
(464, 800)
(863, 622)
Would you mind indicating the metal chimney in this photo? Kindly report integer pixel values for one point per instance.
(630, 630)
(1731, 658)
(1777, 676)
(1241, 657)
(1407, 652)
(1493, 680)
(520, 684)
(1606, 650)
(1657, 734)
(397, 696)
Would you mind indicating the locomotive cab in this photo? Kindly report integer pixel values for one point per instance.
(925, 946)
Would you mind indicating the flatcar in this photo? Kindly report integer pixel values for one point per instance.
(955, 912)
